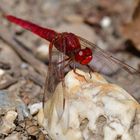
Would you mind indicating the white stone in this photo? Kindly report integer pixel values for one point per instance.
(42, 52)
(35, 108)
(105, 22)
(1, 72)
(91, 100)
(8, 122)
(15, 136)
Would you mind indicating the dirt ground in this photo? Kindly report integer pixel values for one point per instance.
(111, 25)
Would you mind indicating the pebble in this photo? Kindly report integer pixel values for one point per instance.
(41, 136)
(105, 22)
(32, 128)
(35, 108)
(24, 65)
(8, 122)
(1, 72)
(15, 136)
(42, 52)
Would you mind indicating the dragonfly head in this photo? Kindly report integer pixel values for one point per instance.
(83, 56)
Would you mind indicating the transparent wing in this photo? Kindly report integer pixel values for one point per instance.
(55, 87)
(115, 70)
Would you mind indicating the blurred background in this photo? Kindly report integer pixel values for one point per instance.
(112, 25)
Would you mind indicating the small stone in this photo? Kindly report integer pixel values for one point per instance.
(15, 136)
(31, 128)
(105, 22)
(24, 65)
(35, 108)
(1, 72)
(8, 122)
(41, 136)
(42, 52)
(11, 116)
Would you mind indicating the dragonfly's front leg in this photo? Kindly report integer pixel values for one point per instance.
(74, 70)
(90, 70)
(66, 59)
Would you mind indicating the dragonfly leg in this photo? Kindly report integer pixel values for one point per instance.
(67, 59)
(90, 70)
(74, 70)
(69, 62)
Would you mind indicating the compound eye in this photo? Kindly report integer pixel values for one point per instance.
(84, 56)
(88, 51)
(86, 60)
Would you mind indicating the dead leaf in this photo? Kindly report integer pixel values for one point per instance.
(123, 8)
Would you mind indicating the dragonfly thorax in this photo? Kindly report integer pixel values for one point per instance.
(67, 43)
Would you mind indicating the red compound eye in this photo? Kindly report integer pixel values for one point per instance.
(84, 56)
(86, 60)
(87, 51)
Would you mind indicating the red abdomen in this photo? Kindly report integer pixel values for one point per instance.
(42, 32)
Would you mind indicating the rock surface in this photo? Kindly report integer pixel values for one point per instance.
(9, 101)
(93, 109)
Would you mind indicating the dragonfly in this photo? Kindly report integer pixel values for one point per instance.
(75, 49)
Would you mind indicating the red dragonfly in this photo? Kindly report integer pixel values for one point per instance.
(77, 49)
